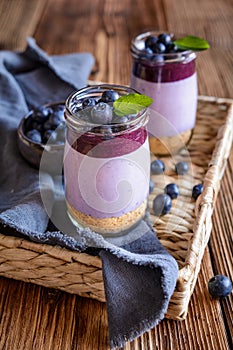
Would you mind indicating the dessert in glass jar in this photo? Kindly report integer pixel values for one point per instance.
(106, 159)
(166, 73)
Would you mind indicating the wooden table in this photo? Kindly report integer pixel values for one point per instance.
(33, 317)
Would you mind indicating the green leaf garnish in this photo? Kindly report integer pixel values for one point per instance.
(131, 104)
(190, 42)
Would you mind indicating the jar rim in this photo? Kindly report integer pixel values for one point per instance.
(139, 53)
(92, 90)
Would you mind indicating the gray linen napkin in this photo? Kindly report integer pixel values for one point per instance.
(139, 274)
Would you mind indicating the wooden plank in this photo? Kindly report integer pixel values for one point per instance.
(47, 319)
(212, 20)
(19, 19)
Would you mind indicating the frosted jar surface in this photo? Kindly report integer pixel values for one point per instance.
(171, 80)
(106, 175)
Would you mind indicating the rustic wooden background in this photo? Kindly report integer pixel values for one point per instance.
(33, 317)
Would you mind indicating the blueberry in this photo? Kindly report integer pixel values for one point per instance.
(50, 135)
(54, 120)
(219, 286)
(148, 51)
(48, 125)
(34, 135)
(182, 168)
(158, 58)
(151, 186)
(197, 190)
(36, 125)
(162, 204)
(88, 102)
(101, 113)
(158, 48)
(164, 38)
(59, 112)
(157, 167)
(150, 41)
(109, 96)
(42, 113)
(172, 190)
(171, 48)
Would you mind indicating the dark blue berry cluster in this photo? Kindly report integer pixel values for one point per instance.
(160, 44)
(46, 123)
(99, 110)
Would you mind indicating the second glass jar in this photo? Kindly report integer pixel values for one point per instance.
(171, 80)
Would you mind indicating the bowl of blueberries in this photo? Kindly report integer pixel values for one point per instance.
(42, 132)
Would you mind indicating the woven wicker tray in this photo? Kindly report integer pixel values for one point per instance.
(184, 231)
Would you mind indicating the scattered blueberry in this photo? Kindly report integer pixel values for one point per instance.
(162, 204)
(109, 96)
(172, 190)
(101, 113)
(151, 186)
(34, 135)
(197, 190)
(157, 167)
(220, 286)
(182, 168)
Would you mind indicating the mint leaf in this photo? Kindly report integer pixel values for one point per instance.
(131, 104)
(190, 42)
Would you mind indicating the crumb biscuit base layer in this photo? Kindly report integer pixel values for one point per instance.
(108, 226)
(184, 233)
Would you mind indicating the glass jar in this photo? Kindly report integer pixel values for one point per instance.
(170, 80)
(106, 163)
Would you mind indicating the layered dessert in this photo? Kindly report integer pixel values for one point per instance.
(167, 74)
(106, 162)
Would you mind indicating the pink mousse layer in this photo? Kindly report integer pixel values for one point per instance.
(174, 108)
(110, 186)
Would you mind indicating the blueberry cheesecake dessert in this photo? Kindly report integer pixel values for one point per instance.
(164, 69)
(107, 158)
